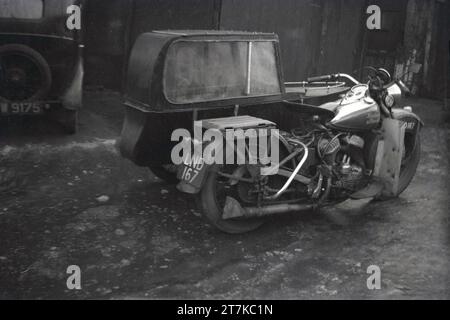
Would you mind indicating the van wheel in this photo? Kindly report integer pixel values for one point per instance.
(24, 74)
(167, 173)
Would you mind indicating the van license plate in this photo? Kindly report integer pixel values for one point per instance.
(21, 108)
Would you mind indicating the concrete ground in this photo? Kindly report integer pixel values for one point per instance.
(72, 200)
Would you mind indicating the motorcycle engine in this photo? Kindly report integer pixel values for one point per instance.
(351, 176)
(344, 154)
(350, 166)
(343, 157)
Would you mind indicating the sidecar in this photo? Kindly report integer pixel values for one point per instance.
(176, 78)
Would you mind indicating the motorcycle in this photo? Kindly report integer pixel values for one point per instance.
(368, 149)
(363, 145)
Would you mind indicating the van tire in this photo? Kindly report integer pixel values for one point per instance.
(39, 61)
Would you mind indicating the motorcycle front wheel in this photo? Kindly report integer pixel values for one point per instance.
(212, 201)
(410, 162)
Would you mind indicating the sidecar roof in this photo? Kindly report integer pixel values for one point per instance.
(180, 70)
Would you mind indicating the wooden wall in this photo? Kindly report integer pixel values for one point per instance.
(297, 23)
(113, 25)
(151, 15)
(316, 36)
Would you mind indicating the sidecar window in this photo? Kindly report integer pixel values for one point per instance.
(198, 71)
(21, 9)
(264, 77)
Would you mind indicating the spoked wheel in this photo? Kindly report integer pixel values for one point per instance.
(24, 74)
(214, 194)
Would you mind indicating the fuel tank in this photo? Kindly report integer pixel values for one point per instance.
(357, 111)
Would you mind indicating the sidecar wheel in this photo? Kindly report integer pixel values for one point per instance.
(213, 211)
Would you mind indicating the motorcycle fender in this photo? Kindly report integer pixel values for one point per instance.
(389, 155)
(404, 115)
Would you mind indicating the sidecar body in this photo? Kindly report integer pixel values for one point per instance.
(177, 77)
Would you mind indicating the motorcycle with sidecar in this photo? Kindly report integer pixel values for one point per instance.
(365, 144)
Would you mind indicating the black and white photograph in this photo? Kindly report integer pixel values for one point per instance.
(224, 155)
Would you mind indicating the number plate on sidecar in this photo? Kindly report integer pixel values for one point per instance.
(193, 171)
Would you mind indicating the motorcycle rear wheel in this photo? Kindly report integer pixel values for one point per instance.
(211, 204)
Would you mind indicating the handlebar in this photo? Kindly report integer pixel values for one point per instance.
(320, 78)
(376, 85)
(403, 87)
(332, 77)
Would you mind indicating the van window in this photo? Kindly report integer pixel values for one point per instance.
(21, 9)
(197, 71)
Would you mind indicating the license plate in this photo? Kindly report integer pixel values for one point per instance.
(20, 108)
(192, 171)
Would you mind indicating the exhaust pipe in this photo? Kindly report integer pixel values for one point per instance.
(233, 209)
